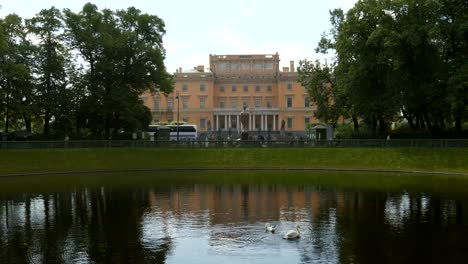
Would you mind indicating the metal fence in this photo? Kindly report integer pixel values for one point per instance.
(342, 143)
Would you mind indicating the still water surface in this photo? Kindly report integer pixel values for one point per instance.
(149, 218)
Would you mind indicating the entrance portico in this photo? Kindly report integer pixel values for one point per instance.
(262, 119)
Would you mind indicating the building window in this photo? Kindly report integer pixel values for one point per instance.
(202, 123)
(222, 104)
(289, 102)
(170, 103)
(234, 88)
(245, 102)
(269, 102)
(306, 121)
(185, 103)
(234, 103)
(169, 120)
(290, 122)
(156, 104)
(202, 87)
(307, 101)
(184, 87)
(185, 119)
(289, 86)
(257, 88)
(221, 88)
(269, 88)
(246, 88)
(202, 102)
(258, 102)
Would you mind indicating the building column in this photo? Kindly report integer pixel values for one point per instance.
(261, 122)
(225, 122)
(250, 122)
(253, 122)
(274, 122)
(237, 126)
(266, 122)
(217, 122)
(230, 122)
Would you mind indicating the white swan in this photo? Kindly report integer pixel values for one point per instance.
(270, 228)
(293, 234)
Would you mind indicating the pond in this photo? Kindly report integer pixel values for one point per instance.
(215, 217)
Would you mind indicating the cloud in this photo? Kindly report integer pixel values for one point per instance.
(228, 39)
(346, 4)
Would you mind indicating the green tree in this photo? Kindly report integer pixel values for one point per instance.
(15, 76)
(418, 76)
(125, 56)
(452, 32)
(319, 80)
(51, 62)
(405, 56)
(322, 82)
(363, 64)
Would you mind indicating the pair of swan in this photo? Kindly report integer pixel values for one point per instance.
(291, 234)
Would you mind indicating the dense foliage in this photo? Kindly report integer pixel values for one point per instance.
(396, 61)
(80, 74)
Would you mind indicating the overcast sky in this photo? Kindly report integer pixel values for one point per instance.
(195, 29)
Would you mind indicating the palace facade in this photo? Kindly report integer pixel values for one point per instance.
(214, 98)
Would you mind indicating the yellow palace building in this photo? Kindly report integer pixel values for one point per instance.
(214, 98)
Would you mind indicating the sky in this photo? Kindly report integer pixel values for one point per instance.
(196, 29)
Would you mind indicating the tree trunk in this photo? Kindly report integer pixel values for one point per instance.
(374, 125)
(420, 122)
(410, 121)
(355, 123)
(458, 125)
(107, 126)
(428, 122)
(7, 119)
(107, 110)
(78, 134)
(47, 124)
(382, 125)
(27, 122)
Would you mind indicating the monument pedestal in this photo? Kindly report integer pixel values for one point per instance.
(244, 135)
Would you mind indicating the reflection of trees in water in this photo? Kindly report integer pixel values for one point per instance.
(104, 225)
(97, 225)
(115, 229)
(400, 228)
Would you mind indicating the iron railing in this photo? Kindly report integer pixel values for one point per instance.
(342, 143)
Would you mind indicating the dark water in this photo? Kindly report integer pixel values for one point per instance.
(156, 219)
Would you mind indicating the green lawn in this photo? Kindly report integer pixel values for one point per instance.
(57, 160)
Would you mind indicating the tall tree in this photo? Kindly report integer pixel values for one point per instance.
(405, 56)
(50, 65)
(322, 82)
(418, 76)
(452, 32)
(364, 65)
(125, 56)
(319, 80)
(14, 72)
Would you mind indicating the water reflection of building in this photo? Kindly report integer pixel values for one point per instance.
(239, 202)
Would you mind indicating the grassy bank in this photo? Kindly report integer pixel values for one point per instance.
(56, 160)
(163, 180)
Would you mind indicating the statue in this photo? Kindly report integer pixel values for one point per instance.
(244, 119)
(283, 124)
